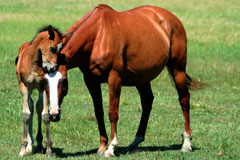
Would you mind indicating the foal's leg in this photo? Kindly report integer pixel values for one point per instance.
(39, 111)
(114, 86)
(26, 118)
(96, 94)
(30, 129)
(146, 95)
(46, 121)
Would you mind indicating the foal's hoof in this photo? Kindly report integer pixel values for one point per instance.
(186, 149)
(22, 154)
(100, 154)
(49, 153)
(108, 155)
(39, 149)
(29, 149)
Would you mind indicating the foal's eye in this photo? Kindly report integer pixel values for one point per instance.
(53, 50)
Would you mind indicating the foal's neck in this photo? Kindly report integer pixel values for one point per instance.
(34, 55)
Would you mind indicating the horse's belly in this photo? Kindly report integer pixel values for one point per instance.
(142, 74)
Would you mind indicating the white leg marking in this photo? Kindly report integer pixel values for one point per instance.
(186, 147)
(29, 145)
(110, 151)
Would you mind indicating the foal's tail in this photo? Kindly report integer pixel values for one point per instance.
(193, 84)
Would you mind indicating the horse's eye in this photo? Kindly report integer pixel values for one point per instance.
(53, 50)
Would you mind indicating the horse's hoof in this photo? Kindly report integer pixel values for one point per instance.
(100, 154)
(186, 149)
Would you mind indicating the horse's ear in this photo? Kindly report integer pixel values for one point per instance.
(61, 59)
(51, 33)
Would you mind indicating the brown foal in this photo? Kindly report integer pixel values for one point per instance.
(35, 58)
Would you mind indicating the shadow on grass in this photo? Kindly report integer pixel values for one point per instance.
(59, 152)
(118, 152)
(122, 150)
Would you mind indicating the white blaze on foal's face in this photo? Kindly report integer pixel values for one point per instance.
(53, 80)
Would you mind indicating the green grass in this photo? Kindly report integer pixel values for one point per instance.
(213, 57)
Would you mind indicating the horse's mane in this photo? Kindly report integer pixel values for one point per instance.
(45, 28)
(76, 25)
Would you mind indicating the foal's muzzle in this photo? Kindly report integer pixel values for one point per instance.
(49, 67)
(54, 116)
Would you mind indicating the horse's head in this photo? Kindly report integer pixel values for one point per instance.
(48, 43)
(56, 87)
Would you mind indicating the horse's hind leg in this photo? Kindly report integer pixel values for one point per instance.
(176, 67)
(27, 119)
(184, 97)
(147, 97)
(39, 113)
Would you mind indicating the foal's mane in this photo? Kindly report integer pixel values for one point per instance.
(45, 28)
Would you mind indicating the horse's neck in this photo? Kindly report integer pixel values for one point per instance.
(81, 40)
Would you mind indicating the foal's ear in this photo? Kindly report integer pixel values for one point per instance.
(51, 33)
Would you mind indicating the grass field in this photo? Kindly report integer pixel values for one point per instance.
(213, 29)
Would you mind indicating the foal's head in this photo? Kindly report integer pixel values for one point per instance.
(56, 87)
(48, 43)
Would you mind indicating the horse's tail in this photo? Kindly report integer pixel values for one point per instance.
(16, 60)
(194, 84)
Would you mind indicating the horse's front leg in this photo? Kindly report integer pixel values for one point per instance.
(96, 94)
(27, 113)
(114, 86)
(46, 121)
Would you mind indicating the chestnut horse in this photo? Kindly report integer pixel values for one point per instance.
(34, 57)
(129, 48)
